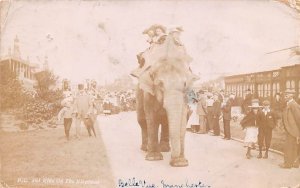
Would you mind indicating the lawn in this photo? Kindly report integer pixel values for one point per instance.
(44, 158)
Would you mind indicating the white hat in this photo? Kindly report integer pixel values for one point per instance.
(255, 104)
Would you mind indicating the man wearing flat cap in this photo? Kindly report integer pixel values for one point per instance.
(291, 122)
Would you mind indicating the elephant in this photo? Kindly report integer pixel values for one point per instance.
(162, 99)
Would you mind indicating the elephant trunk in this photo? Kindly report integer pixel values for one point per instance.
(176, 109)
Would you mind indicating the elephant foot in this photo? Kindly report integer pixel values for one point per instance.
(179, 162)
(164, 147)
(144, 147)
(154, 156)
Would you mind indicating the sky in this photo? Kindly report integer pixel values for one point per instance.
(100, 39)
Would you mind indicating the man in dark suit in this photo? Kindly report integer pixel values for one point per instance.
(216, 112)
(227, 117)
(266, 122)
(291, 122)
(221, 96)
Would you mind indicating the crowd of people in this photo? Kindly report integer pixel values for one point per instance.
(206, 109)
(115, 102)
(87, 102)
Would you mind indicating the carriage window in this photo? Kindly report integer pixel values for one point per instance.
(276, 88)
(290, 84)
(241, 90)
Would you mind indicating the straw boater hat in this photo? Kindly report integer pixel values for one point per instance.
(255, 104)
(156, 26)
(266, 103)
(289, 92)
(176, 29)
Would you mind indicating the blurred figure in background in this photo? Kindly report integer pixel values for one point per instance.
(194, 119)
(216, 113)
(247, 101)
(277, 107)
(209, 104)
(202, 112)
(227, 117)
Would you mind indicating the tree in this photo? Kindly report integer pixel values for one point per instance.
(45, 81)
(11, 92)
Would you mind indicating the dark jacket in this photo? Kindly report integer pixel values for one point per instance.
(227, 109)
(250, 120)
(246, 103)
(216, 109)
(291, 119)
(266, 121)
(278, 105)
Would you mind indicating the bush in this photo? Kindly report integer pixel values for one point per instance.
(38, 110)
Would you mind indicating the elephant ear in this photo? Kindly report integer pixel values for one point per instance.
(191, 78)
(146, 83)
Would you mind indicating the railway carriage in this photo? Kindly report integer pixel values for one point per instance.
(264, 85)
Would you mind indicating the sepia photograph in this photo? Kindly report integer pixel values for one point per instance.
(149, 93)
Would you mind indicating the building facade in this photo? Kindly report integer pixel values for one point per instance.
(23, 69)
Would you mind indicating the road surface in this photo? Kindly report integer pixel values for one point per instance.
(213, 162)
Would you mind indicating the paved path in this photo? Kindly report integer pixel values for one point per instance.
(212, 161)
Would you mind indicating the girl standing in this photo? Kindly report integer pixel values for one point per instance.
(250, 125)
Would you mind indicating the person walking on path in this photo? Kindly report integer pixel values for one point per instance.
(249, 124)
(82, 108)
(66, 113)
(202, 112)
(291, 123)
(266, 123)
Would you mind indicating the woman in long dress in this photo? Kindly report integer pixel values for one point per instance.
(194, 118)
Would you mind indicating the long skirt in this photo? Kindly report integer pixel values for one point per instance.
(250, 136)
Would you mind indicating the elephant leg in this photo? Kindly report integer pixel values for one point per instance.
(152, 129)
(184, 161)
(141, 118)
(143, 125)
(164, 136)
